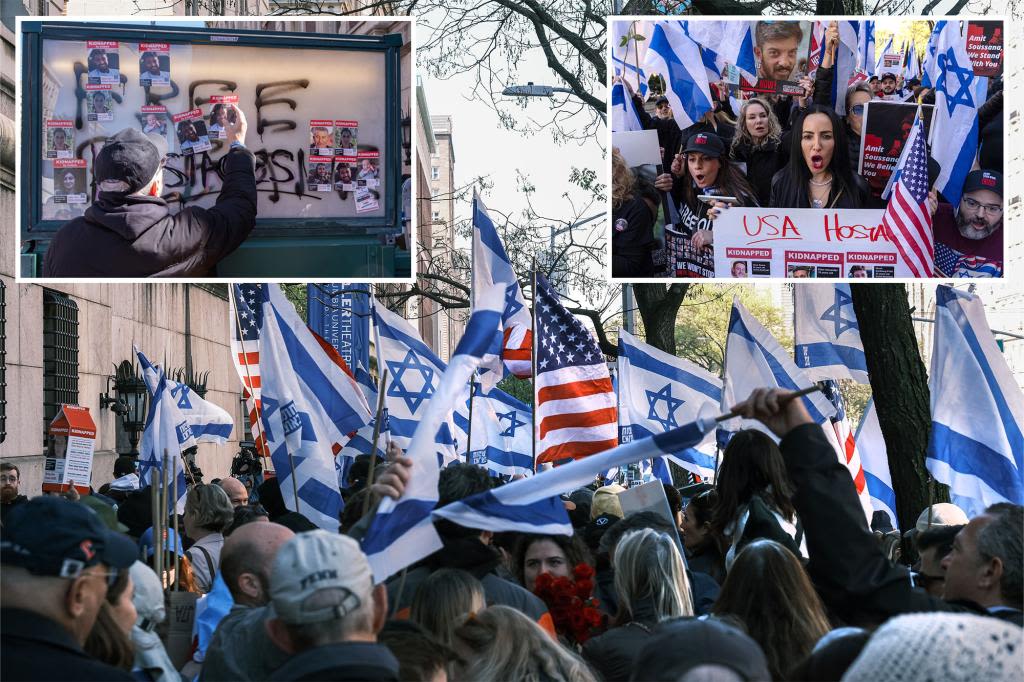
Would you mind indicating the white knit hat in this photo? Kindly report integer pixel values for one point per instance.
(951, 647)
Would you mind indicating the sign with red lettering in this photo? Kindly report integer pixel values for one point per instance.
(985, 47)
(804, 243)
(767, 86)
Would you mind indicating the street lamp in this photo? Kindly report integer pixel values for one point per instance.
(532, 90)
(407, 139)
(130, 403)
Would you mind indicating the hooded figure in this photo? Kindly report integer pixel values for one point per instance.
(150, 656)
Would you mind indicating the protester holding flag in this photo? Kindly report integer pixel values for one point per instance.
(634, 211)
(758, 146)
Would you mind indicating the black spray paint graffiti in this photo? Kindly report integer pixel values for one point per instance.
(280, 87)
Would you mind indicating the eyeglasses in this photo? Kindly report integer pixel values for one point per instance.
(8, 479)
(857, 110)
(991, 209)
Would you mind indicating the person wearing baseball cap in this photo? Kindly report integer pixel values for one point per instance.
(327, 611)
(130, 232)
(58, 560)
(969, 239)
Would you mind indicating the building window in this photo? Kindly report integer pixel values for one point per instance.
(437, 216)
(3, 362)
(60, 354)
(435, 173)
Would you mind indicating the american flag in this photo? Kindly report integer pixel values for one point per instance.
(952, 263)
(907, 220)
(246, 317)
(575, 401)
(848, 446)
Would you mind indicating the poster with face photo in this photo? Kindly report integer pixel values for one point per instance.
(69, 181)
(153, 119)
(60, 139)
(366, 200)
(191, 131)
(369, 169)
(319, 177)
(345, 170)
(154, 64)
(345, 134)
(104, 62)
(321, 137)
(221, 113)
(99, 102)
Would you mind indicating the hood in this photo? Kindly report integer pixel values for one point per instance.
(127, 216)
(149, 594)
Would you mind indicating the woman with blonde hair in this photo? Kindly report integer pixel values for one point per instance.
(757, 147)
(633, 216)
(651, 586)
(443, 601)
(501, 643)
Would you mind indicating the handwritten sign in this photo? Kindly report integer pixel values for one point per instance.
(805, 242)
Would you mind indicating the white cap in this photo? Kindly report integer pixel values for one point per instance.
(943, 514)
(319, 562)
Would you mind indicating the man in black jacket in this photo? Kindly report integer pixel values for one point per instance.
(130, 232)
(853, 577)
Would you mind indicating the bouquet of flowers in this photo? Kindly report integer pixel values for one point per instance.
(572, 604)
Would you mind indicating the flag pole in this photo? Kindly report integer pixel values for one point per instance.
(469, 429)
(533, 359)
(782, 401)
(295, 483)
(636, 55)
(154, 505)
(177, 560)
(249, 388)
(381, 386)
(163, 505)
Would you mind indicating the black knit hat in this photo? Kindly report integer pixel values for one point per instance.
(129, 156)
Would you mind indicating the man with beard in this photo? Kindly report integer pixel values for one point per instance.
(775, 47)
(151, 73)
(10, 479)
(99, 67)
(889, 92)
(969, 241)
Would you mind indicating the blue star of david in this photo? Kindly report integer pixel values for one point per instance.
(270, 405)
(964, 76)
(514, 423)
(834, 314)
(512, 306)
(183, 401)
(672, 404)
(411, 362)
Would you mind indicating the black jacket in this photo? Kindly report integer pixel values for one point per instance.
(851, 574)
(5, 507)
(36, 648)
(669, 134)
(633, 239)
(787, 193)
(136, 236)
(611, 654)
(762, 164)
(343, 662)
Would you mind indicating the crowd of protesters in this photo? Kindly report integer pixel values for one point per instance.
(784, 151)
(771, 574)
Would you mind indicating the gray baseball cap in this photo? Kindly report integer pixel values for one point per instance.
(319, 576)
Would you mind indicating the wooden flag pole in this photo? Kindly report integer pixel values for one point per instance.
(177, 560)
(469, 429)
(154, 504)
(806, 391)
(249, 388)
(163, 508)
(381, 386)
(295, 482)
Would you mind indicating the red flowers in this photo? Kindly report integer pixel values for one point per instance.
(571, 603)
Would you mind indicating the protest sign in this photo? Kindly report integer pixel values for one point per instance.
(892, 62)
(766, 86)
(69, 181)
(985, 47)
(221, 114)
(69, 453)
(805, 242)
(154, 64)
(884, 132)
(650, 497)
(191, 130)
(638, 148)
(104, 62)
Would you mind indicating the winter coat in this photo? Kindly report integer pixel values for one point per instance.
(786, 190)
(762, 164)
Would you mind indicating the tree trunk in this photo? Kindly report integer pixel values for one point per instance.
(899, 385)
(658, 306)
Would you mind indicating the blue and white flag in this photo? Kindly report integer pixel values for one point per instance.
(401, 532)
(361, 443)
(208, 422)
(754, 359)
(625, 58)
(501, 439)
(677, 58)
(976, 443)
(167, 433)
(309, 403)
(659, 392)
(826, 333)
(491, 265)
(875, 462)
(845, 64)
(624, 116)
(913, 67)
(866, 47)
(879, 71)
(954, 128)
(725, 43)
(532, 505)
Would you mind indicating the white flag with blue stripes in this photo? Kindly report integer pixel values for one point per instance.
(866, 47)
(624, 116)
(677, 58)
(401, 532)
(659, 392)
(308, 403)
(845, 63)
(500, 434)
(754, 359)
(827, 336)
(976, 443)
(532, 505)
(875, 461)
(887, 49)
(208, 422)
(167, 432)
(627, 54)
(948, 69)
(361, 443)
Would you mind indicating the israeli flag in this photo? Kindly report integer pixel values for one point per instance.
(754, 359)
(879, 71)
(308, 403)
(401, 532)
(725, 43)
(846, 63)
(866, 49)
(491, 265)
(209, 423)
(913, 68)
(361, 443)
(624, 116)
(627, 54)
(532, 505)
(677, 58)
(658, 392)
(955, 121)
(414, 375)
(875, 462)
(501, 440)
(167, 432)
(827, 335)
(976, 443)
